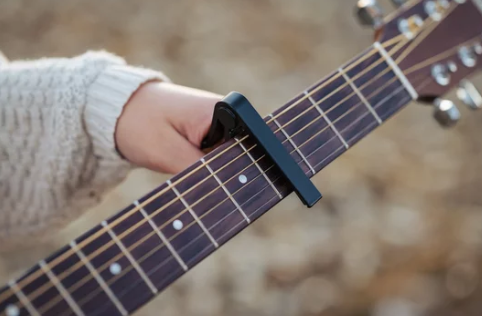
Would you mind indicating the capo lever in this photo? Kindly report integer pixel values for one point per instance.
(233, 115)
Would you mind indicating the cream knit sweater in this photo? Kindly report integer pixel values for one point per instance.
(57, 151)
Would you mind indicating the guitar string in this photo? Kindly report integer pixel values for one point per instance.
(55, 261)
(87, 299)
(241, 188)
(312, 92)
(102, 268)
(441, 56)
(426, 32)
(444, 54)
(291, 135)
(79, 264)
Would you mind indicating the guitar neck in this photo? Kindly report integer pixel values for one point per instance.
(128, 259)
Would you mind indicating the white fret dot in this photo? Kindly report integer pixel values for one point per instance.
(12, 310)
(115, 268)
(243, 179)
(177, 224)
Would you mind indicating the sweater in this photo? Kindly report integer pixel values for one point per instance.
(57, 148)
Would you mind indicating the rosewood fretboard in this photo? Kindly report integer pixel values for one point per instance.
(123, 262)
(126, 260)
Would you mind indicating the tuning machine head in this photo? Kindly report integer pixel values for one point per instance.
(468, 94)
(445, 112)
(369, 13)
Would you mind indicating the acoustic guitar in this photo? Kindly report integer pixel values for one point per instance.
(422, 51)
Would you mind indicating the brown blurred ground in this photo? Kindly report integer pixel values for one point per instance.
(399, 231)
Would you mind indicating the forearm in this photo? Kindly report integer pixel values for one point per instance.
(57, 148)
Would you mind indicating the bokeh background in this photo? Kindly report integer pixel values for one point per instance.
(399, 231)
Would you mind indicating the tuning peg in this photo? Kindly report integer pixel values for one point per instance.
(369, 13)
(399, 3)
(446, 113)
(468, 94)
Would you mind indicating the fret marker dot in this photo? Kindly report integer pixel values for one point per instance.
(12, 310)
(115, 268)
(177, 224)
(243, 179)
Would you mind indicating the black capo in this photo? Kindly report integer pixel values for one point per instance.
(233, 115)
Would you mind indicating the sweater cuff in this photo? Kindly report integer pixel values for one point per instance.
(106, 98)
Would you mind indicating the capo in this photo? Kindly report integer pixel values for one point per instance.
(233, 115)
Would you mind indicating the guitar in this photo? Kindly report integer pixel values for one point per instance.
(421, 52)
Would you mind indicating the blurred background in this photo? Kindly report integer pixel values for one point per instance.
(399, 230)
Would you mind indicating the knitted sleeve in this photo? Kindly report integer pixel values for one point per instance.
(57, 150)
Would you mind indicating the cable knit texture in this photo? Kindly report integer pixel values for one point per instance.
(57, 149)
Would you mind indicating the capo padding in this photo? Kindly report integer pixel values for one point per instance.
(233, 115)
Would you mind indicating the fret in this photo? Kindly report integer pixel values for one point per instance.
(146, 247)
(179, 227)
(378, 82)
(11, 305)
(128, 255)
(76, 278)
(99, 278)
(328, 121)
(161, 236)
(65, 294)
(113, 264)
(360, 95)
(250, 183)
(397, 70)
(42, 294)
(301, 121)
(23, 299)
(216, 209)
(193, 214)
(315, 138)
(292, 143)
(225, 190)
(261, 171)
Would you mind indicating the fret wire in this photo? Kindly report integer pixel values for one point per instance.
(328, 121)
(99, 278)
(257, 166)
(334, 106)
(129, 256)
(123, 217)
(194, 239)
(162, 237)
(64, 293)
(292, 143)
(193, 214)
(147, 236)
(217, 223)
(213, 158)
(221, 184)
(398, 72)
(291, 152)
(260, 158)
(360, 95)
(22, 298)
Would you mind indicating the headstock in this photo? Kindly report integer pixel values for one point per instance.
(437, 44)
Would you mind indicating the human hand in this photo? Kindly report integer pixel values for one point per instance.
(163, 124)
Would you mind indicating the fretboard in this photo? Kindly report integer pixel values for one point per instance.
(126, 260)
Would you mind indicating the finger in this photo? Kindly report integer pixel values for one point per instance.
(181, 154)
(191, 110)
